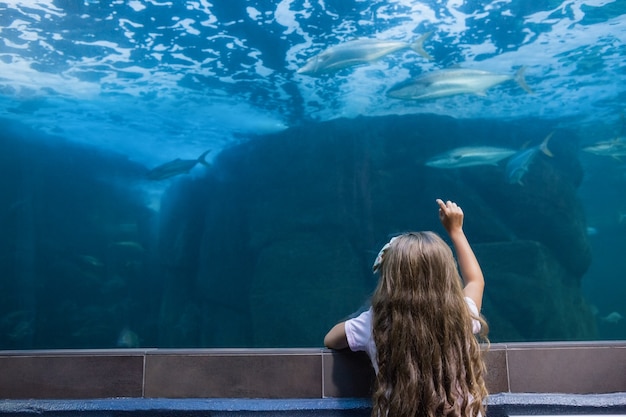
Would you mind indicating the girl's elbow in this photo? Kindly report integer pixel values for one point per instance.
(333, 343)
(336, 337)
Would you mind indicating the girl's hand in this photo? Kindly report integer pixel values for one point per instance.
(450, 215)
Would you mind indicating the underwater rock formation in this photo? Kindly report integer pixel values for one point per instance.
(275, 242)
(73, 265)
(291, 223)
(530, 296)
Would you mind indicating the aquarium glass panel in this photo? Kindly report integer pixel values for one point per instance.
(223, 173)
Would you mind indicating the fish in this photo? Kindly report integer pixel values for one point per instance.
(615, 148)
(91, 261)
(176, 167)
(357, 52)
(128, 339)
(518, 165)
(613, 318)
(451, 82)
(468, 156)
(128, 245)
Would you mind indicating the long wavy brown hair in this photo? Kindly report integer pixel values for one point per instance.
(430, 363)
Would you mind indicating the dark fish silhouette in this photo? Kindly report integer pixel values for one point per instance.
(518, 165)
(176, 167)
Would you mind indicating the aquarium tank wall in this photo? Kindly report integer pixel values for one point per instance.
(223, 173)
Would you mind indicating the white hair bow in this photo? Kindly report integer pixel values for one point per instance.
(381, 254)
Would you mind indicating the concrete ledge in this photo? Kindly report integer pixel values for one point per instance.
(499, 405)
(564, 367)
(187, 407)
(526, 404)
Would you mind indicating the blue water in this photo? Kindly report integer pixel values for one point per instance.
(187, 75)
(155, 80)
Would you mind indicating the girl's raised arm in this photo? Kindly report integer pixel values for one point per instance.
(451, 217)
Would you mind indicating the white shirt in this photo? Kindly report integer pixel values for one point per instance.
(360, 336)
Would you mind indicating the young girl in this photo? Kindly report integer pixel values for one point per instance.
(419, 331)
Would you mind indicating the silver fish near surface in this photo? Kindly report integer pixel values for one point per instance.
(518, 165)
(356, 52)
(451, 82)
(176, 167)
(615, 148)
(468, 156)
